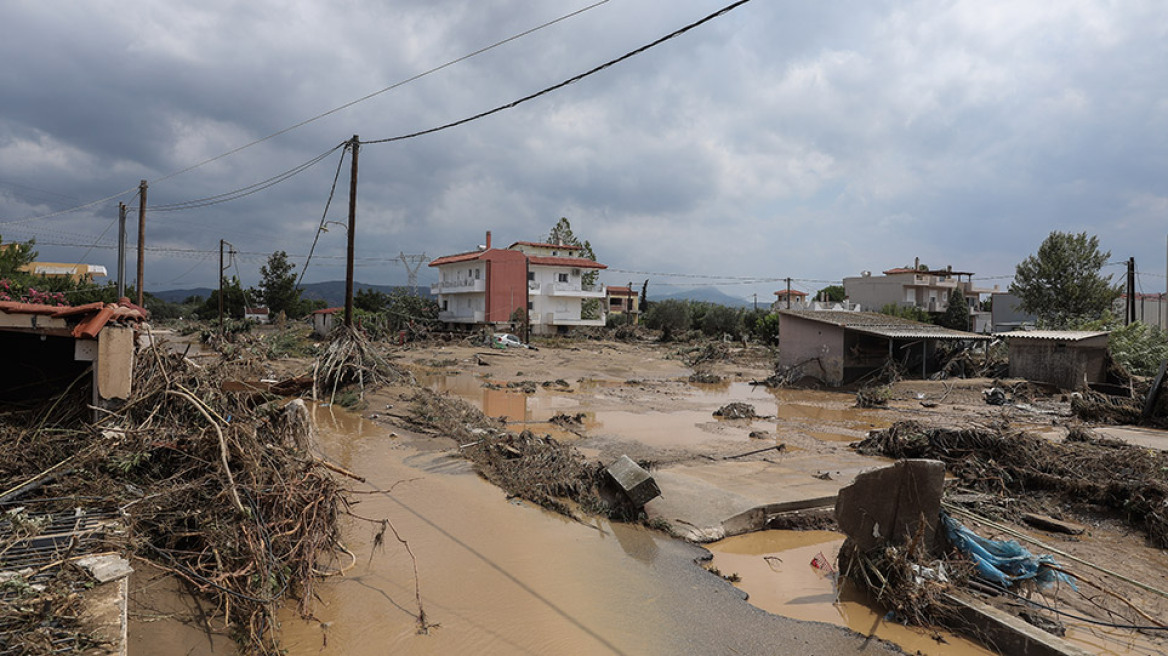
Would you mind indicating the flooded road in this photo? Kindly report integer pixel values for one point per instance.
(681, 417)
(503, 577)
(776, 571)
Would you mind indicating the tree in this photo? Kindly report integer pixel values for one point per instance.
(15, 255)
(561, 233)
(1061, 284)
(956, 315)
(370, 300)
(233, 302)
(834, 293)
(278, 285)
(721, 320)
(671, 317)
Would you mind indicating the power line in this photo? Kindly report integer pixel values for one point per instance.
(314, 118)
(571, 80)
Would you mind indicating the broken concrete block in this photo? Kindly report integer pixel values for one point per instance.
(635, 482)
(886, 506)
(106, 568)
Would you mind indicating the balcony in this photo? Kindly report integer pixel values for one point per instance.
(459, 286)
(572, 290)
(454, 317)
(551, 319)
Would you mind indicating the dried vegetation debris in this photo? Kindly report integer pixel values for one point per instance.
(212, 486)
(1125, 479)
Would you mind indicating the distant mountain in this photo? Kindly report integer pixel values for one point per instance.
(332, 292)
(706, 295)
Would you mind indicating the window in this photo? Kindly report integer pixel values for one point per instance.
(615, 303)
(563, 277)
(530, 306)
(478, 274)
(445, 304)
(531, 276)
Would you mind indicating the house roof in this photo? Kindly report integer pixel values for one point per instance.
(81, 321)
(790, 292)
(619, 291)
(460, 257)
(566, 247)
(332, 310)
(882, 325)
(927, 272)
(577, 262)
(1053, 335)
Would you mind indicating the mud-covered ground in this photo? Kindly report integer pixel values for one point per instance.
(640, 387)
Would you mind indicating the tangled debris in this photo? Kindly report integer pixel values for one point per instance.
(1129, 480)
(873, 396)
(214, 487)
(350, 360)
(736, 410)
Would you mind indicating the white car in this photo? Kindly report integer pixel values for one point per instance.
(508, 340)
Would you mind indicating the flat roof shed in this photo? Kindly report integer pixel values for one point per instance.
(1070, 359)
(840, 347)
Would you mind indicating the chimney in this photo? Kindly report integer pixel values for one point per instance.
(916, 263)
(488, 240)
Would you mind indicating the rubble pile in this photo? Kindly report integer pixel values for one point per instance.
(1129, 480)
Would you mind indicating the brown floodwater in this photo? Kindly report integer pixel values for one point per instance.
(776, 571)
(820, 414)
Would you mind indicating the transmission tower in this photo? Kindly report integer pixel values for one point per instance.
(412, 263)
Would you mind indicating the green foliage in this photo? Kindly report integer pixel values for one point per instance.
(721, 320)
(1138, 346)
(370, 300)
(906, 312)
(671, 317)
(561, 233)
(835, 293)
(233, 302)
(762, 326)
(278, 286)
(1061, 284)
(956, 315)
(15, 255)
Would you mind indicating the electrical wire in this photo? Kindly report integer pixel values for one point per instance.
(571, 80)
(248, 190)
(317, 117)
(323, 216)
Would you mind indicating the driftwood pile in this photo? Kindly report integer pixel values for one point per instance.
(1129, 480)
(212, 486)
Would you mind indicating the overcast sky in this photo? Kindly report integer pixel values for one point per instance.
(784, 139)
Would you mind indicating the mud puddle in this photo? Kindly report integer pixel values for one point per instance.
(776, 571)
(822, 415)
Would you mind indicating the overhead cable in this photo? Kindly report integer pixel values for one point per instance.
(566, 82)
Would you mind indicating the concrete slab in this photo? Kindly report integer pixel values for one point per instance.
(1146, 437)
(710, 501)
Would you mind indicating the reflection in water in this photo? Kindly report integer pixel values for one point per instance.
(776, 572)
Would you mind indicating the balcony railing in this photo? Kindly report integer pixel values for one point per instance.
(458, 286)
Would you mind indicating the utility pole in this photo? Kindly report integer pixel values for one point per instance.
(756, 301)
(355, 144)
(1131, 290)
(221, 242)
(121, 250)
(141, 242)
(788, 293)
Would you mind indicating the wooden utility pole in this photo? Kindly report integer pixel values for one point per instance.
(788, 293)
(355, 144)
(121, 250)
(221, 286)
(141, 242)
(1131, 290)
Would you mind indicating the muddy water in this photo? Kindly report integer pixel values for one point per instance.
(501, 577)
(822, 415)
(776, 571)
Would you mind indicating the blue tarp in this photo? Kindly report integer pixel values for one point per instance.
(1002, 561)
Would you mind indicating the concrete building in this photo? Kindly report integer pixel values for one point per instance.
(1070, 359)
(623, 301)
(1150, 309)
(841, 347)
(920, 287)
(1006, 313)
(324, 320)
(789, 299)
(76, 272)
(491, 286)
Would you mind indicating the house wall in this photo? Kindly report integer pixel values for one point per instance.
(506, 285)
(1006, 315)
(816, 348)
(1069, 365)
(551, 309)
(874, 292)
